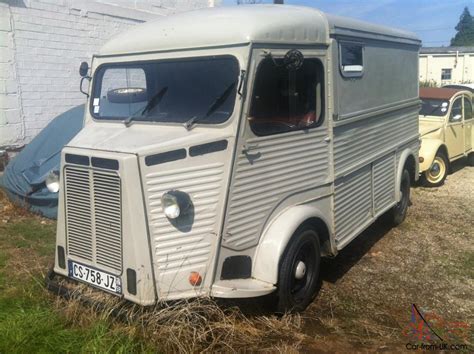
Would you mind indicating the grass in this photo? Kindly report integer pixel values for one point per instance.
(31, 320)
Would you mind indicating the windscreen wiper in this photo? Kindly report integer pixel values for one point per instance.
(155, 101)
(213, 107)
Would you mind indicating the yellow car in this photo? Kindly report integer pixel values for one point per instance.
(446, 130)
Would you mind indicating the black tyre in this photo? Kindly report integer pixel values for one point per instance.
(399, 211)
(437, 173)
(470, 159)
(299, 272)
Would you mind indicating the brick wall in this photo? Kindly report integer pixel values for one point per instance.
(42, 43)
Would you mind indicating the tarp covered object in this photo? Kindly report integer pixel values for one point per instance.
(24, 177)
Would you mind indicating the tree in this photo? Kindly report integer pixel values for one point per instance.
(465, 30)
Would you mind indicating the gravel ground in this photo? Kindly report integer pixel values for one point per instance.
(368, 289)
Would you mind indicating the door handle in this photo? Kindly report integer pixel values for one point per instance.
(327, 139)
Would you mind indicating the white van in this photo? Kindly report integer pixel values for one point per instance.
(225, 151)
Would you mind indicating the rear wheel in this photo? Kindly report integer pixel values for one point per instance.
(470, 159)
(299, 272)
(399, 211)
(437, 173)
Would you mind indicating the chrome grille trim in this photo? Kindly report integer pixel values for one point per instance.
(94, 216)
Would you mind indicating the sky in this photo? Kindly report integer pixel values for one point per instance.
(432, 20)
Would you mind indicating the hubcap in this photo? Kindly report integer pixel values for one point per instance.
(436, 173)
(300, 270)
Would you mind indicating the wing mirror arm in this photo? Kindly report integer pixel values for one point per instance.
(80, 85)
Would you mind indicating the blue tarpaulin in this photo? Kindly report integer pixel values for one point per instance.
(24, 177)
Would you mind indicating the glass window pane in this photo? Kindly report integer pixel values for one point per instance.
(446, 74)
(467, 109)
(434, 107)
(456, 111)
(352, 58)
(285, 100)
(171, 91)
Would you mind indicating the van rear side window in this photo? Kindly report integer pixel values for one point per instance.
(351, 59)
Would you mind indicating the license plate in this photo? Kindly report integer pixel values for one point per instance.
(95, 277)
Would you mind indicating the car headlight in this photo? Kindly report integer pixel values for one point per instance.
(170, 205)
(175, 203)
(52, 182)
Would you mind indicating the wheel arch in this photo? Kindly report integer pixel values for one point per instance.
(278, 234)
(407, 160)
(428, 150)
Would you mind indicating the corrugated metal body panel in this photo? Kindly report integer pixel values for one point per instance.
(376, 143)
(353, 202)
(108, 219)
(384, 182)
(279, 166)
(356, 142)
(189, 245)
(78, 212)
(94, 216)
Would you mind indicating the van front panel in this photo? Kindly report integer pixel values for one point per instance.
(102, 222)
(189, 243)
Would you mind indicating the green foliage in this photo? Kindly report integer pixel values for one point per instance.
(465, 30)
(428, 83)
(28, 234)
(28, 326)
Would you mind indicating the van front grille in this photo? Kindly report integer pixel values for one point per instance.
(94, 216)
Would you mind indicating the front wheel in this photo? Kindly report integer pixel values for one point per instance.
(299, 272)
(399, 211)
(437, 173)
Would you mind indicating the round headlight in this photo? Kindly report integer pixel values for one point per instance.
(170, 205)
(52, 182)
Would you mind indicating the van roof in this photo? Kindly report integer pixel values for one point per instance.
(234, 25)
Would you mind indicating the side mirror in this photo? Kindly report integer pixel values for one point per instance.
(83, 69)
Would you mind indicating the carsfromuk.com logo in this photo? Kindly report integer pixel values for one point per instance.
(429, 331)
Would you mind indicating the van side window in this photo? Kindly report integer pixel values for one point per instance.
(456, 111)
(285, 100)
(467, 109)
(351, 59)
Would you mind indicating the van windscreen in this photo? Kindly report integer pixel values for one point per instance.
(168, 91)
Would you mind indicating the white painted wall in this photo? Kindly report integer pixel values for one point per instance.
(42, 43)
(461, 65)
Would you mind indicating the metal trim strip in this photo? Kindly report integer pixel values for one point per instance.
(165, 157)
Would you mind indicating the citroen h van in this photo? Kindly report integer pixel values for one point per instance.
(225, 151)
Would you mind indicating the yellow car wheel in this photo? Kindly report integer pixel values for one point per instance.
(438, 171)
